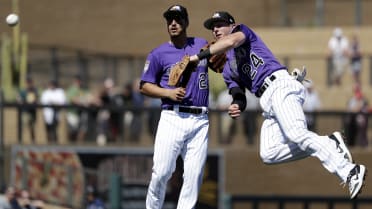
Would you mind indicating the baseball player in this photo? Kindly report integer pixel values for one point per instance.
(284, 134)
(183, 125)
(338, 51)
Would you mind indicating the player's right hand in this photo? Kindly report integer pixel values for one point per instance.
(177, 94)
(234, 111)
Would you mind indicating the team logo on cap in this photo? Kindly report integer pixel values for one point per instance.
(176, 8)
(216, 15)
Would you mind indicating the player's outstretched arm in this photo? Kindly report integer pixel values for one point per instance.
(222, 45)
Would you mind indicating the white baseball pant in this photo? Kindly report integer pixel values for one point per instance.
(284, 133)
(185, 134)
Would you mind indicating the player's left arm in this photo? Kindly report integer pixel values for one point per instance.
(239, 102)
(238, 95)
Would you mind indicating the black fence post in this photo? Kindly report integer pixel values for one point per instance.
(115, 191)
(83, 68)
(55, 64)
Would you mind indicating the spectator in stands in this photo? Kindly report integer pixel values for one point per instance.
(93, 108)
(93, 201)
(357, 121)
(138, 104)
(77, 117)
(123, 99)
(54, 96)
(311, 104)
(10, 199)
(25, 201)
(250, 116)
(29, 96)
(228, 125)
(5, 201)
(108, 126)
(355, 58)
(338, 54)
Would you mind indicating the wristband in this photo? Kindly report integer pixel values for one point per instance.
(239, 97)
(204, 54)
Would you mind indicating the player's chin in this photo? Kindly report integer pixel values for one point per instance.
(174, 34)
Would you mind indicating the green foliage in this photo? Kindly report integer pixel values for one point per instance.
(216, 83)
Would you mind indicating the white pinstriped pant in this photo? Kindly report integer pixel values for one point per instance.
(284, 133)
(185, 134)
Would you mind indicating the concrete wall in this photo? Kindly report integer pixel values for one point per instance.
(246, 174)
(133, 26)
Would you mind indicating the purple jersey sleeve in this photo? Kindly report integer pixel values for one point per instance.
(160, 61)
(227, 73)
(250, 63)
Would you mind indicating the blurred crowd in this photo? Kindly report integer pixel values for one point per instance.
(19, 199)
(12, 198)
(93, 113)
(345, 55)
(96, 115)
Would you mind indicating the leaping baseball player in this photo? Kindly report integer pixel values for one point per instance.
(284, 134)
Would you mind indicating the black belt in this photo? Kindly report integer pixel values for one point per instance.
(264, 86)
(193, 110)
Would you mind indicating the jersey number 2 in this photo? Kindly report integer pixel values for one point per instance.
(203, 81)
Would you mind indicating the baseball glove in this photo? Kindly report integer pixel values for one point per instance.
(180, 69)
(217, 61)
(299, 75)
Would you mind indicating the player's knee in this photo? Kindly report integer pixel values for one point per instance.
(267, 158)
(161, 176)
(298, 134)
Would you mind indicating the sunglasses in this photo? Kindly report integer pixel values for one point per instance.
(177, 18)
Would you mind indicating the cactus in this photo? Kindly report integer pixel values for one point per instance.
(14, 62)
(6, 73)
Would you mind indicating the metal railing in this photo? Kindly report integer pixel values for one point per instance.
(326, 122)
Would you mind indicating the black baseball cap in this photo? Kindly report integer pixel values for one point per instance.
(217, 17)
(176, 10)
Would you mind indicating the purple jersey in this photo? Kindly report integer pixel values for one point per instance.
(161, 59)
(250, 63)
